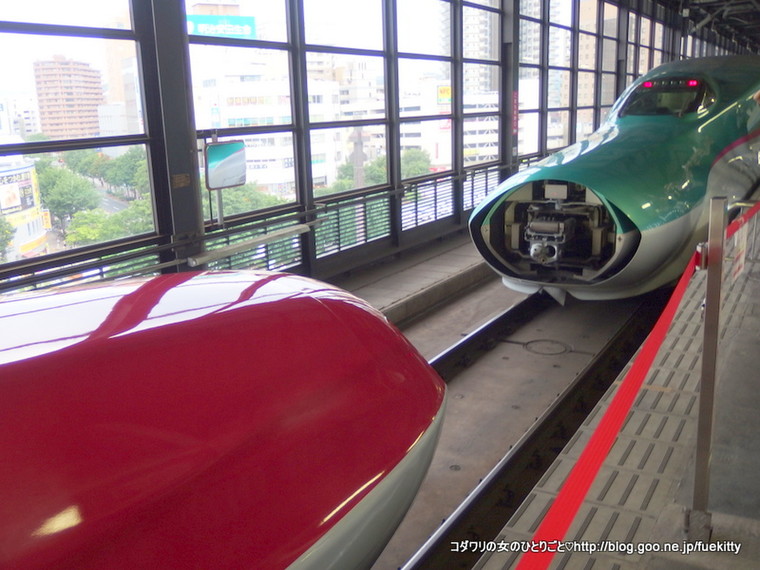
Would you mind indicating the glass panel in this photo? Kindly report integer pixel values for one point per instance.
(558, 129)
(527, 137)
(646, 28)
(246, 20)
(270, 176)
(424, 87)
(586, 88)
(74, 198)
(424, 26)
(630, 59)
(481, 34)
(239, 87)
(530, 42)
(560, 46)
(345, 87)
(481, 140)
(70, 88)
(530, 8)
(659, 37)
(643, 60)
(481, 87)
(585, 123)
(608, 89)
(633, 23)
(346, 158)
(587, 51)
(425, 147)
(489, 3)
(610, 20)
(656, 58)
(110, 14)
(343, 23)
(689, 45)
(559, 88)
(529, 88)
(609, 55)
(561, 13)
(588, 11)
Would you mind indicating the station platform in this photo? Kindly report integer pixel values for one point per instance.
(416, 281)
(633, 514)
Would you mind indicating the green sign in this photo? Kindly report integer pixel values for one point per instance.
(242, 27)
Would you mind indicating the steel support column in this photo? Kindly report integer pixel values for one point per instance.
(170, 121)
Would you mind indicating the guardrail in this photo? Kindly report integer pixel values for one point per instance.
(698, 520)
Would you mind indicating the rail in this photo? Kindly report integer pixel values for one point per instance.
(501, 492)
(226, 251)
(458, 356)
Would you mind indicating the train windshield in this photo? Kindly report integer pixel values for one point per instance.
(669, 97)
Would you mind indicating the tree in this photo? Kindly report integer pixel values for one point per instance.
(89, 226)
(242, 199)
(7, 231)
(136, 219)
(47, 174)
(36, 137)
(376, 172)
(141, 179)
(127, 172)
(414, 162)
(80, 161)
(97, 226)
(66, 194)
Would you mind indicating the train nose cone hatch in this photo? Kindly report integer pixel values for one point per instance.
(550, 233)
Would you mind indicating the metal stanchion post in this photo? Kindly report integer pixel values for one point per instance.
(698, 519)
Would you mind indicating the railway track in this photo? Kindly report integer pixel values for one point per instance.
(500, 492)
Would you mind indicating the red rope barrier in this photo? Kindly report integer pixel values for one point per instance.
(570, 497)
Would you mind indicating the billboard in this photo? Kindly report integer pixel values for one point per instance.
(240, 27)
(16, 191)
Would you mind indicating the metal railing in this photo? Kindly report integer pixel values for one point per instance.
(698, 520)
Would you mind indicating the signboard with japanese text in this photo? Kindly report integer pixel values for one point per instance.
(241, 27)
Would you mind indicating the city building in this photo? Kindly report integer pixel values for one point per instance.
(20, 205)
(69, 93)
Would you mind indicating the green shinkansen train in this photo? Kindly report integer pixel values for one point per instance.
(620, 213)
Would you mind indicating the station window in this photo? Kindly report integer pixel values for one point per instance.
(355, 82)
(343, 23)
(355, 157)
(76, 93)
(435, 15)
(432, 147)
(110, 14)
(270, 176)
(238, 20)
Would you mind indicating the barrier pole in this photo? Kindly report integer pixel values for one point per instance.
(699, 520)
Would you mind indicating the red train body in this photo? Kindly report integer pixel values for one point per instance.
(198, 420)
